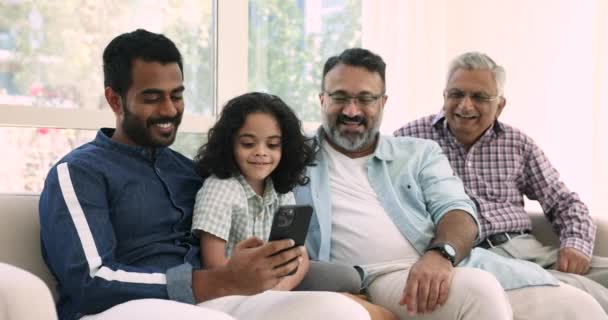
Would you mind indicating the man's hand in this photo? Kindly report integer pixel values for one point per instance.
(572, 261)
(292, 281)
(254, 267)
(428, 283)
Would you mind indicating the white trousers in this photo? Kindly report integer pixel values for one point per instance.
(270, 305)
(24, 296)
(527, 247)
(476, 294)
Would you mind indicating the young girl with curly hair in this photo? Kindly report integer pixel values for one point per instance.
(254, 156)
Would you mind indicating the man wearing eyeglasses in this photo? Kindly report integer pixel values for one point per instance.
(499, 165)
(393, 207)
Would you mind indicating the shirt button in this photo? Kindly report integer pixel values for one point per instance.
(469, 164)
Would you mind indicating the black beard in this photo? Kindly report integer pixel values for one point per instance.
(140, 135)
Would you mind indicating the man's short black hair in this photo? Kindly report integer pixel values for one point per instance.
(121, 52)
(357, 57)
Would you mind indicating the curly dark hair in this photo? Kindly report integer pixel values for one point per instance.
(297, 151)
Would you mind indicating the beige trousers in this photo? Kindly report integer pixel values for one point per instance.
(476, 294)
(24, 296)
(526, 247)
(270, 305)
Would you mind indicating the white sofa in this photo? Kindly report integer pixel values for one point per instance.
(20, 239)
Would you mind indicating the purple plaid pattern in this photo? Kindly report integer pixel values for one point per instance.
(502, 167)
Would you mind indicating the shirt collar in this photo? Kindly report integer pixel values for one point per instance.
(104, 140)
(270, 195)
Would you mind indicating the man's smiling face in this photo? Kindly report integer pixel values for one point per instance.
(471, 104)
(351, 126)
(153, 106)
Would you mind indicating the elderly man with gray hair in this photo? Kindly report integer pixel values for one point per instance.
(394, 207)
(498, 165)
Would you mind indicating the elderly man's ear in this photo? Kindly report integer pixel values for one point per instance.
(384, 100)
(501, 106)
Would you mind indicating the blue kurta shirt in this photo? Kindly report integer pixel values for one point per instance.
(115, 225)
(416, 187)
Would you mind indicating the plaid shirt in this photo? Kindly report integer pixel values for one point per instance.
(502, 167)
(230, 209)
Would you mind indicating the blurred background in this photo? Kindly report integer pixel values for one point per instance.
(555, 53)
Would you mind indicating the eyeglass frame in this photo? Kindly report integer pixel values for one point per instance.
(373, 98)
(479, 98)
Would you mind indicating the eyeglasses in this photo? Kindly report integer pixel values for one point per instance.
(362, 100)
(480, 98)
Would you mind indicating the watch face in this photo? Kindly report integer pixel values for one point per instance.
(449, 250)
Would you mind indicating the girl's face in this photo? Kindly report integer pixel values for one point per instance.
(257, 148)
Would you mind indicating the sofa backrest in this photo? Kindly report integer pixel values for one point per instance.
(20, 236)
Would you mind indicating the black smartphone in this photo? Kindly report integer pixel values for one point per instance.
(291, 222)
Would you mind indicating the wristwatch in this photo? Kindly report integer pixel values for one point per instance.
(445, 250)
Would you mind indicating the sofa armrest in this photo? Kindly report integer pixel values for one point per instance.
(24, 296)
(20, 236)
(601, 237)
(543, 231)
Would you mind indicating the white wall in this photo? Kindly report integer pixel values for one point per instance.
(600, 112)
(554, 53)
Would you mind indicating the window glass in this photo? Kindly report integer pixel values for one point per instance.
(188, 143)
(50, 51)
(31, 152)
(290, 40)
(50, 57)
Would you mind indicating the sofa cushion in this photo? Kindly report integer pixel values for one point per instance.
(20, 235)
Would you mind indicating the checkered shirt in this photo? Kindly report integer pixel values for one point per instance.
(502, 167)
(231, 210)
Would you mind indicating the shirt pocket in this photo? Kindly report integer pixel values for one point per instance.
(411, 198)
(497, 187)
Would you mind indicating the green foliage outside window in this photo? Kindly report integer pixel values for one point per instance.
(286, 59)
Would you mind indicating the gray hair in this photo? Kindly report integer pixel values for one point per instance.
(479, 61)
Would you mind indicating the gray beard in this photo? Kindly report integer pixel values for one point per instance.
(351, 142)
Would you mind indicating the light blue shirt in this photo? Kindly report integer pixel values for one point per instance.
(416, 186)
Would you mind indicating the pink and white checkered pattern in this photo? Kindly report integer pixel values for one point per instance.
(498, 170)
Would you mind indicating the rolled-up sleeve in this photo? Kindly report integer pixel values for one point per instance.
(443, 191)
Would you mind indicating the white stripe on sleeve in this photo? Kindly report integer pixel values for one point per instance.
(88, 243)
